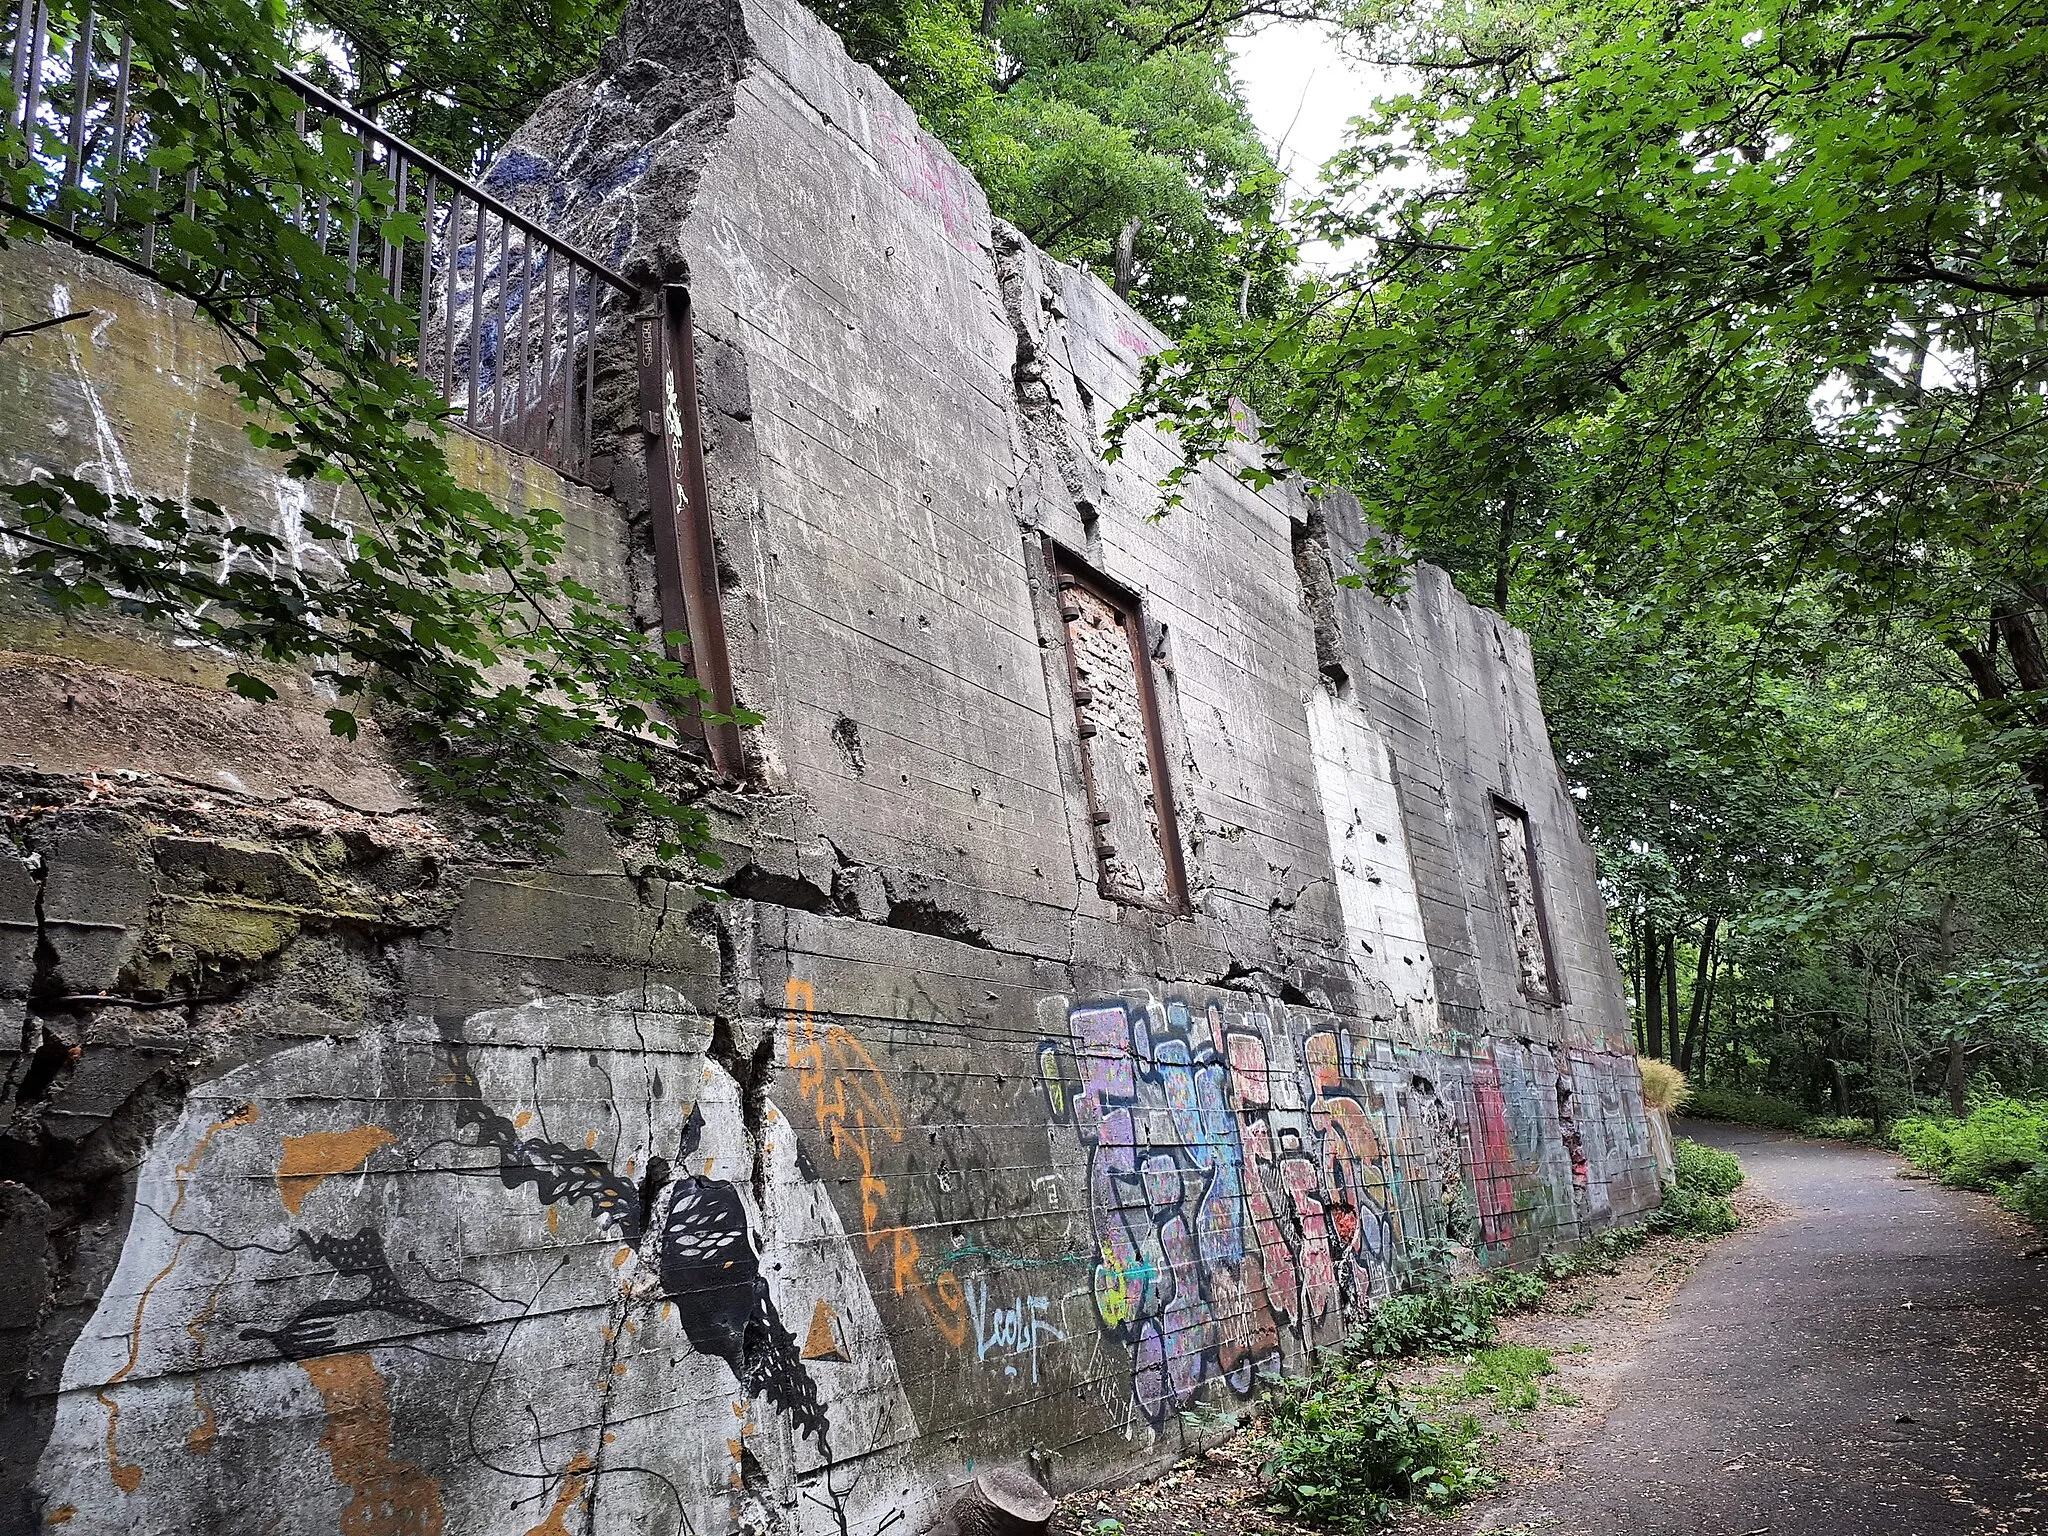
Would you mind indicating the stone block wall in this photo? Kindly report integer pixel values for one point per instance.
(360, 1179)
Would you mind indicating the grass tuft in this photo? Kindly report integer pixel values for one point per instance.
(1664, 1086)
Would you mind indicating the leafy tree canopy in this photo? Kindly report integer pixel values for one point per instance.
(1095, 121)
(1709, 341)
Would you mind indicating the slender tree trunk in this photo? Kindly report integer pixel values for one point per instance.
(1957, 1079)
(1504, 552)
(1635, 978)
(1700, 980)
(990, 10)
(1653, 986)
(1707, 1018)
(1671, 994)
(1126, 259)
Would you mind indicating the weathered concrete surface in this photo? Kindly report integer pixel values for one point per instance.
(357, 1178)
(1874, 1362)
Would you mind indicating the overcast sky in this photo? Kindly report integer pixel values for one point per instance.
(1301, 92)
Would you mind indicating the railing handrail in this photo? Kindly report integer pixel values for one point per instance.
(329, 102)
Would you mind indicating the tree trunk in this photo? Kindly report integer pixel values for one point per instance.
(1635, 979)
(1126, 259)
(1958, 1078)
(1701, 979)
(1653, 985)
(1671, 994)
(990, 10)
(2024, 701)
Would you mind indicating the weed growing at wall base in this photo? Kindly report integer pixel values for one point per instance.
(1344, 1450)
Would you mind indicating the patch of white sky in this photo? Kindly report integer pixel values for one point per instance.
(1303, 90)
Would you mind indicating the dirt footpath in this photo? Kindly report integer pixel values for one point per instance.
(1867, 1357)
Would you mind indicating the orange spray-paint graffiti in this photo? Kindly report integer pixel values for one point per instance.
(857, 1114)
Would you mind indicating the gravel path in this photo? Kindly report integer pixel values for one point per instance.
(1876, 1364)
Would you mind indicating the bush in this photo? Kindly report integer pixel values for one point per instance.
(1999, 1140)
(1705, 1169)
(1344, 1448)
(1924, 1139)
(2028, 1195)
(1446, 1317)
(1664, 1086)
(1745, 1108)
(1690, 1212)
(1838, 1127)
(1515, 1290)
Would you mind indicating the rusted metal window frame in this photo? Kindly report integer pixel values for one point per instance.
(679, 507)
(1557, 996)
(1068, 569)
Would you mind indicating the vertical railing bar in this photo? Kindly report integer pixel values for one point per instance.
(569, 364)
(498, 368)
(32, 101)
(476, 315)
(355, 215)
(451, 258)
(525, 304)
(81, 104)
(117, 160)
(433, 189)
(547, 345)
(589, 377)
(392, 273)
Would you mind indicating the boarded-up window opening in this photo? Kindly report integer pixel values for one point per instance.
(1528, 921)
(1123, 748)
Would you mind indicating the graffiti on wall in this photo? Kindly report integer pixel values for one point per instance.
(1255, 1177)
(494, 1277)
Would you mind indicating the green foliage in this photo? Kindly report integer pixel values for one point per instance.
(1510, 1374)
(1839, 1127)
(1999, 1141)
(1706, 1169)
(512, 690)
(2028, 1195)
(1601, 1253)
(1689, 1212)
(1081, 117)
(455, 77)
(1746, 1108)
(1441, 1318)
(1344, 1450)
(1514, 1290)
(1696, 1205)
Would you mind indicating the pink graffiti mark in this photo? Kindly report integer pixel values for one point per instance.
(1269, 1234)
(1318, 1269)
(931, 178)
(1132, 340)
(1248, 1071)
(1493, 1158)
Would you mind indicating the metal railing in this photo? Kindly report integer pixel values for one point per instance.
(506, 312)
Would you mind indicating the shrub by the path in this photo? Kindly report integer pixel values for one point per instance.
(2000, 1146)
(1344, 1448)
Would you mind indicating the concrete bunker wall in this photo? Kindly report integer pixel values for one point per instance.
(359, 1179)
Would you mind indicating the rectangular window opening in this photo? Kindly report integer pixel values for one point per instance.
(1123, 745)
(1527, 919)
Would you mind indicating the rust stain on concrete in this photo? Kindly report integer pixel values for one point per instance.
(321, 1155)
(575, 1478)
(389, 1497)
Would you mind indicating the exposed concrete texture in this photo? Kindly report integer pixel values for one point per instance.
(358, 1179)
